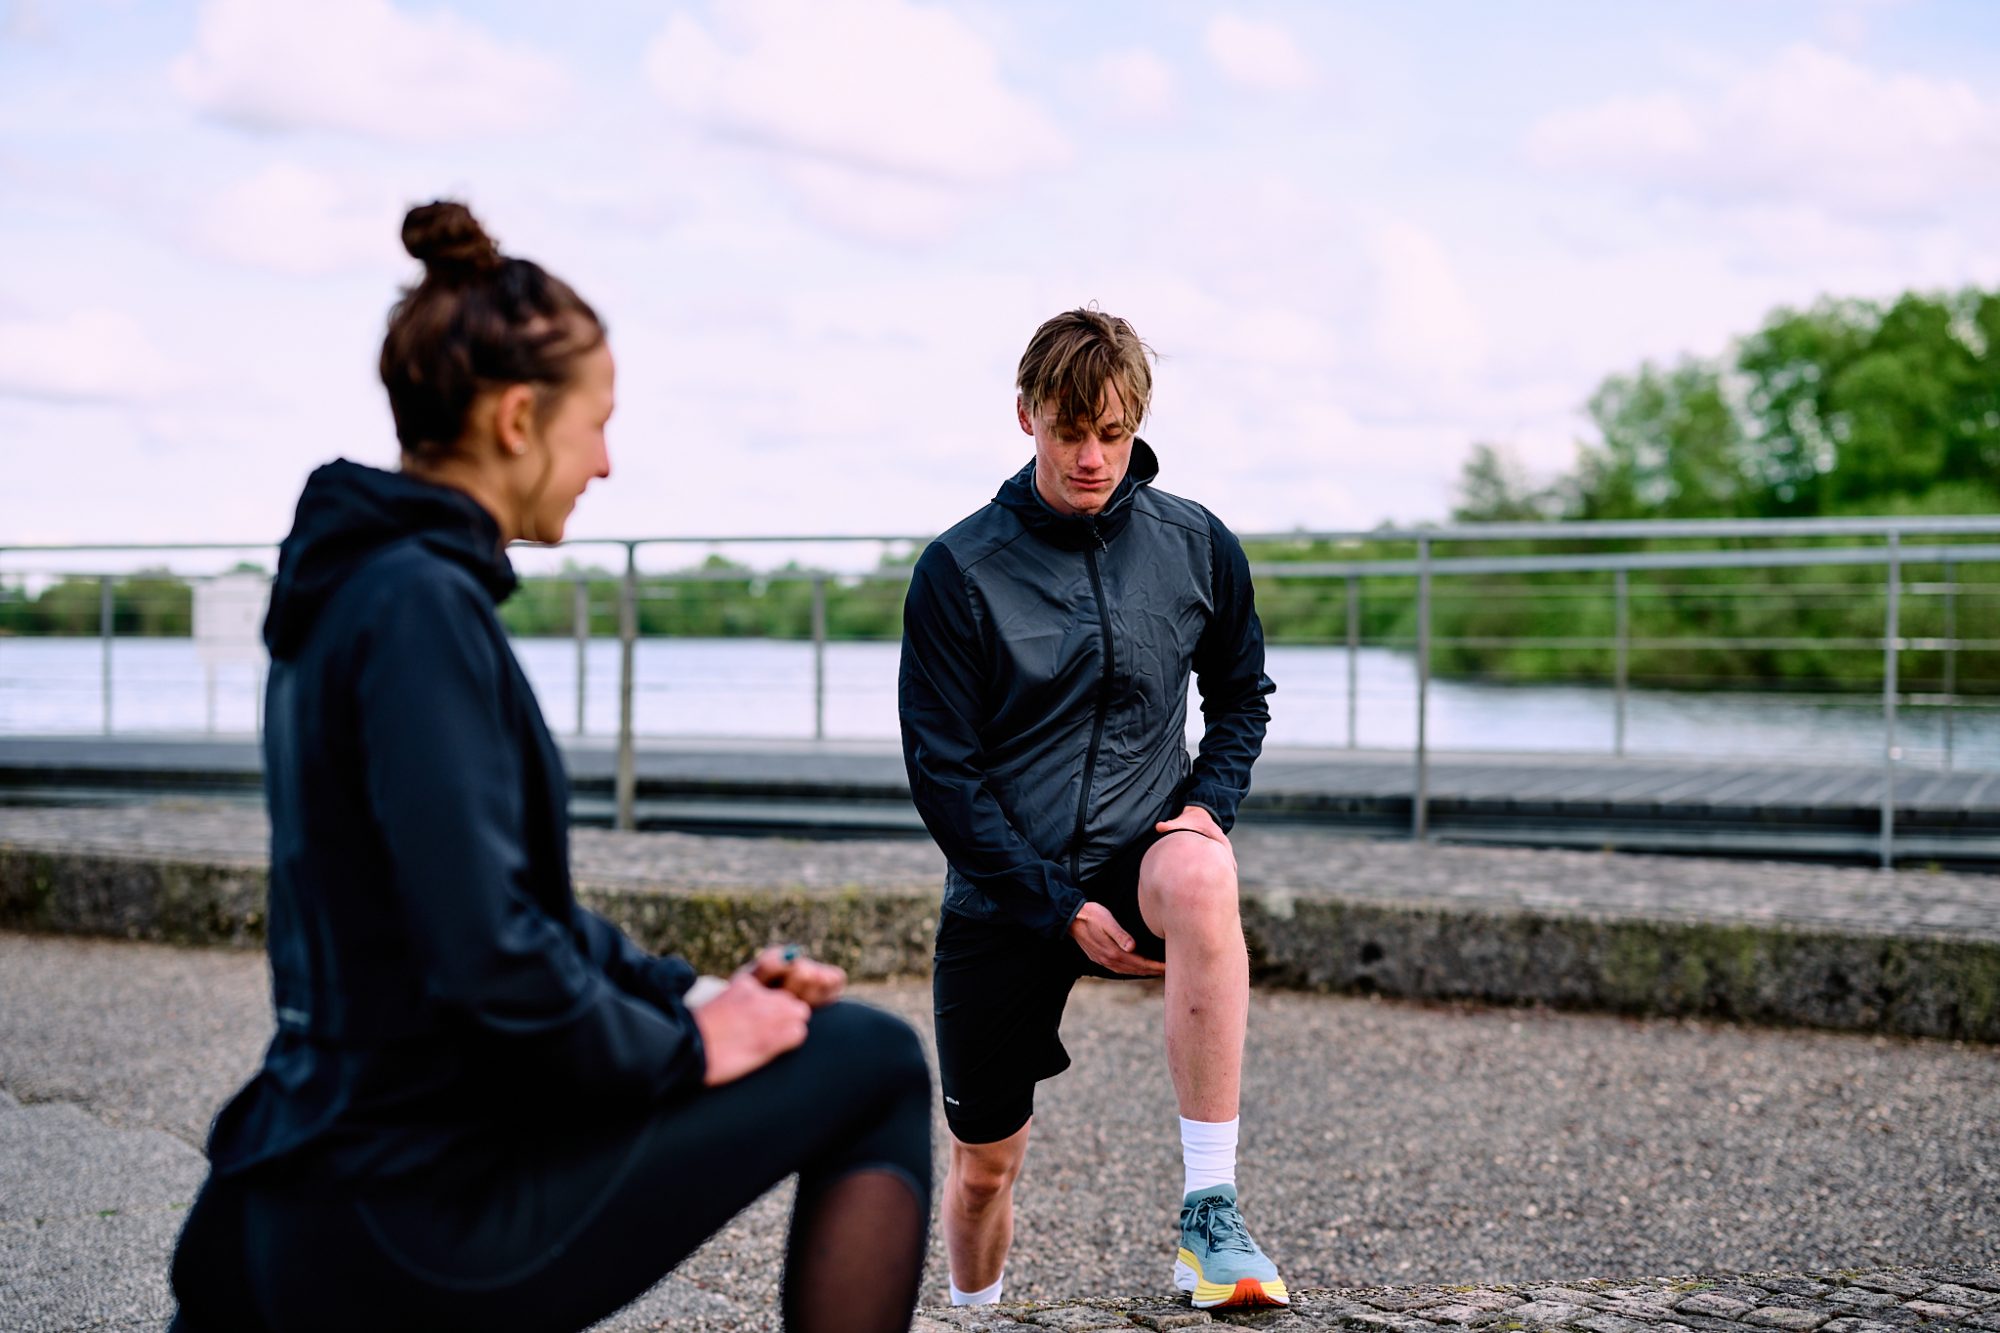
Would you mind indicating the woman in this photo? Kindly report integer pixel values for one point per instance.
(484, 1106)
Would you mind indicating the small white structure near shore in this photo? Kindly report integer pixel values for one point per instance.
(228, 630)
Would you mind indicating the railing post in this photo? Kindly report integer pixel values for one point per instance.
(1420, 798)
(1623, 668)
(1353, 651)
(819, 656)
(580, 625)
(105, 635)
(1950, 654)
(628, 635)
(1891, 641)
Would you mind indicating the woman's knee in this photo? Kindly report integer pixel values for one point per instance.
(874, 1046)
(209, 1269)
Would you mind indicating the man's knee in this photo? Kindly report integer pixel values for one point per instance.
(1192, 883)
(985, 1172)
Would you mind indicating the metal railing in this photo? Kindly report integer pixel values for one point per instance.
(1898, 545)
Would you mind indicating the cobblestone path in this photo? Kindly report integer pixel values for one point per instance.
(1882, 1300)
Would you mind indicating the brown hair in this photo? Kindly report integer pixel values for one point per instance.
(1073, 356)
(477, 319)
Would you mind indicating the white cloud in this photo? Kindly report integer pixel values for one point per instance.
(1424, 322)
(364, 67)
(1850, 23)
(879, 88)
(1811, 126)
(883, 208)
(92, 356)
(25, 22)
(1257, 55)
(1137, 84)
(1659, 128)
(289, 219)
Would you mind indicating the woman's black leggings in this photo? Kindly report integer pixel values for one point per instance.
(566, 1230)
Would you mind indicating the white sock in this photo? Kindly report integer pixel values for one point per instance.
(986, 1296)
(1208, 1153)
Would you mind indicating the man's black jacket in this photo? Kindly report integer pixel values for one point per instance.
(432, 970)
(1044, 688)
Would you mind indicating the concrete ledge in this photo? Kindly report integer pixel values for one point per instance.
(1764, 972)
(1911, 983)
(166, 899)
(1847, 1300)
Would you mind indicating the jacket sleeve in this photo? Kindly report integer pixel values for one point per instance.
(938, 692)
(660, 980)
(1229, 672)
(444, 774)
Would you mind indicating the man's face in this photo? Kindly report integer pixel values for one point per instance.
(1078, 467)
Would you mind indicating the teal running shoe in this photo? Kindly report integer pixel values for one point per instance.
(1218, 1264)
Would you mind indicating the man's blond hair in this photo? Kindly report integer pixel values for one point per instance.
(1073, 357)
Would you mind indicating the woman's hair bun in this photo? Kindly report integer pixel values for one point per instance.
(449, 240)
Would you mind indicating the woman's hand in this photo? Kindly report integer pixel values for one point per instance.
(748, 1026)
(818, 984)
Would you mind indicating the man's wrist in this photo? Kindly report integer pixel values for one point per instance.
(1198, 803)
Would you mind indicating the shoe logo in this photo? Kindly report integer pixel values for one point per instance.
(951, 1101)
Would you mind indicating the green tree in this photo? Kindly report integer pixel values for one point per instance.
(1671, 446)
(69, 606)
(1494, 488)
(1853, 405)
(153, 603)
(1848, 407)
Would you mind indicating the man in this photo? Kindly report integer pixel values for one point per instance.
(1047, 645)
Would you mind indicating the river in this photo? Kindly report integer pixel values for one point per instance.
(764, 688)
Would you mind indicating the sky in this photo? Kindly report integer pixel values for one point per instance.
(1361, 237)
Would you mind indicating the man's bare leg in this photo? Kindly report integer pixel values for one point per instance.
(979, 1207)
(1187, 895)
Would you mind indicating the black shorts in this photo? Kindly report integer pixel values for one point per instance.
(998, 990)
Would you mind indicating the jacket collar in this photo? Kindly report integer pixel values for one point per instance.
(1019, 497)
(346, 514)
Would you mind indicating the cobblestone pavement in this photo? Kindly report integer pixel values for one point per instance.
(1846, 1301)
(1272, 860)
(1384, 1143)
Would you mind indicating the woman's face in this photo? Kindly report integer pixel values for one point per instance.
(572, 436)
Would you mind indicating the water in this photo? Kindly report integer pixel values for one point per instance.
(762, 688)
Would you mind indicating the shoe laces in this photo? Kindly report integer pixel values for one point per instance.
(1218, 1220)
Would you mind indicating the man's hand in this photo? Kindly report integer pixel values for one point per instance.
(818, 984)
(1197, 819)
(747, 1026)
(1105, 942)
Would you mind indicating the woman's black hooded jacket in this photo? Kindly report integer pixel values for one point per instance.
(432, 971)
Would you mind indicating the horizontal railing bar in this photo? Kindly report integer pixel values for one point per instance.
(1629, 560)
(36, 548)
(1572, 530)
(1771, 642)
(1658, 529)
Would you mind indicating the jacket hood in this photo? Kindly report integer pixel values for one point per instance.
(347, 513)
(1075, 531)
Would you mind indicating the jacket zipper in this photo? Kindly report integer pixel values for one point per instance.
(1103, 702)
